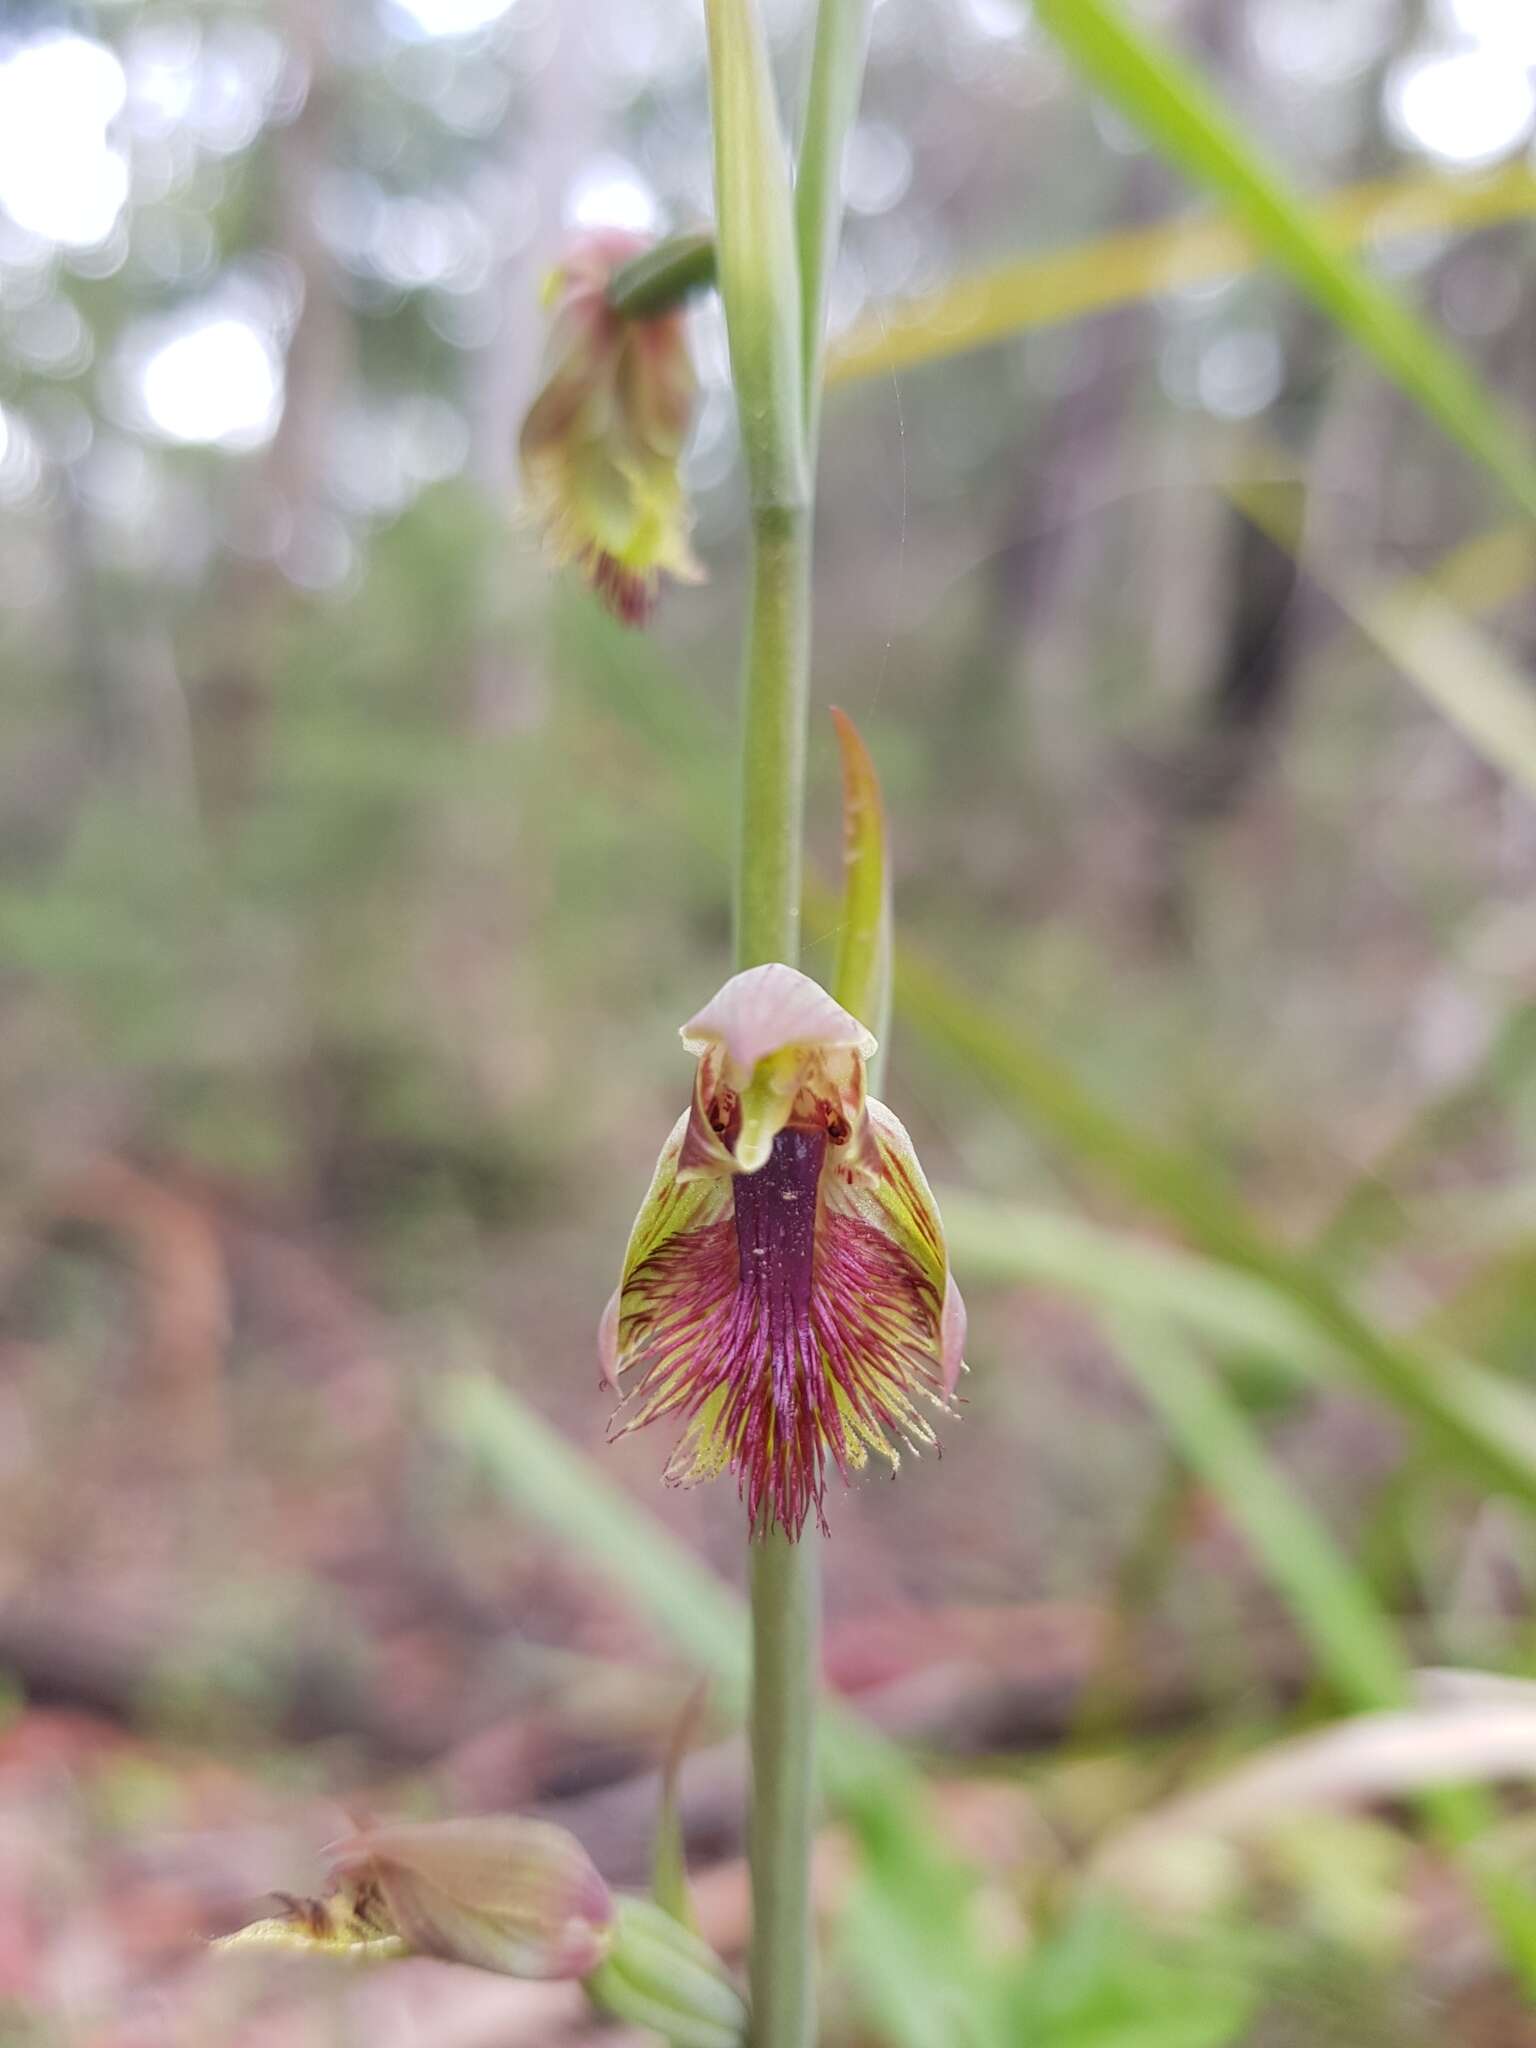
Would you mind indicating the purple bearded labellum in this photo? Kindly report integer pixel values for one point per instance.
(786, 1294)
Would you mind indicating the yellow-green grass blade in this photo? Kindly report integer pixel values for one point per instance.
(1153, 87)
(1488, 571)
(1455, 664)
(1014, 1244)
(554, 1485)
(1044, 290)
(1244, 1314)
(1170, 101)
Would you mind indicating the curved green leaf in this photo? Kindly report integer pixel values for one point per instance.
(1046, 289)
(1171, 103)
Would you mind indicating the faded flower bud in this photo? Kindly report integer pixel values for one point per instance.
(660, 1975)
(517, 1896)
(601, 445)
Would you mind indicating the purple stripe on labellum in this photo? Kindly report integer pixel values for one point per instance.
(776, 1245)
(776, 1233)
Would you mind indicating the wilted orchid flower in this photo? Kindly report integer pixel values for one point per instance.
(786, 1293)
(518, 1896)
(352, 1922)
(602, 441)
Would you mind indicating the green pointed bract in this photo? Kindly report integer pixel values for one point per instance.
(863, 979)
(669, 1860)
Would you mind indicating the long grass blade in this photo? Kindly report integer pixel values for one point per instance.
(1012, 1244)
(549, 1483)
(1355, 1642)
(544, 1479)
(1030, 292)
(552, 1484)
(1453, 663)
(1487, 1424)
(1172, 104)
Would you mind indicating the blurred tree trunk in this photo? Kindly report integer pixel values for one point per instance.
(1044, 532)
(133, 707)
(1251, 685)
(282, 510)
(1250, 690)
(1203, 777)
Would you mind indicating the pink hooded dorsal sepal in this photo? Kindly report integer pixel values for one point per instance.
(773, 1049)
(764, 1010)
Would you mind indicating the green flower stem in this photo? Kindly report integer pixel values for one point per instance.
(755, 257)
(786, 1679)
(664, 277)
(761, 248)
(785, 1576)
(774, 709)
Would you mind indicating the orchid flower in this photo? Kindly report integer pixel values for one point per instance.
(786, 1294)
(602, 441)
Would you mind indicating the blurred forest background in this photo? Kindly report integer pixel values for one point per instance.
(357, 873)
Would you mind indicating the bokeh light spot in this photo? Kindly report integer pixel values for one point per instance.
(59, 176)
(1469, 105)
(877, 167)
(1240, 372)
(219, 382)
(611, 194)
(450, 17)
